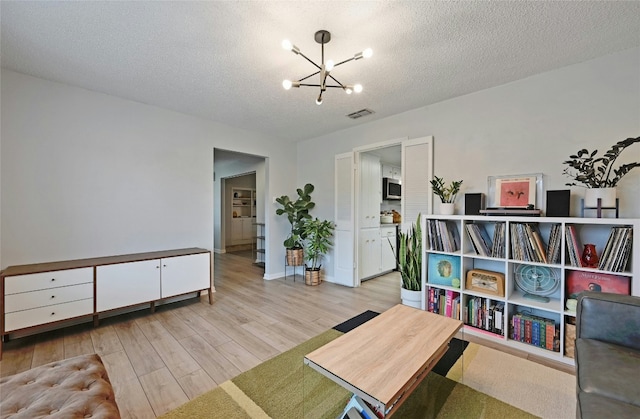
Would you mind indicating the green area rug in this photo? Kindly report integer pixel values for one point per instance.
(283, 387)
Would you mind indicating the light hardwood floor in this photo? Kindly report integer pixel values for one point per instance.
(158, 361)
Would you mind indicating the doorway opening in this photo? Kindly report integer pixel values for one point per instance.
(239, 206)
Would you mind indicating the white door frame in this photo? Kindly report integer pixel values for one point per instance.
(356, 225)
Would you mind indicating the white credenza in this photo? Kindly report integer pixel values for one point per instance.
(49, 293)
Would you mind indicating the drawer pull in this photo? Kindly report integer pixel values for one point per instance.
(164, 266)
(157, 267)
(53, 313)
(53, 296)
(53, 279)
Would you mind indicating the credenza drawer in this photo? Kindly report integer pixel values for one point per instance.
(42, 315)
(46, 280)
(28, 300)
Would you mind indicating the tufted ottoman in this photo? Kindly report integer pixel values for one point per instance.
(73, 388)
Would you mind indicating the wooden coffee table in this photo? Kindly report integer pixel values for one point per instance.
(384, 360)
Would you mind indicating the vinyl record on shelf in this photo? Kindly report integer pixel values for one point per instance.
(537, 282)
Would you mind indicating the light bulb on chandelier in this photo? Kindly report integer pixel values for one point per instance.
(324, 68)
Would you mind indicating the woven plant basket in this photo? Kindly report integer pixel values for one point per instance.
(295, 257)
(312, 277)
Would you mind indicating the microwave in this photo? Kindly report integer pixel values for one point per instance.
(391, 189)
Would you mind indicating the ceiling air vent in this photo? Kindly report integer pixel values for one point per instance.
(360, 113)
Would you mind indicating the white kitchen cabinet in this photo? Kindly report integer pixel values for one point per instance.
(127, 284)
(370, 191)
(369, 253)
(392, 172)
(387, 248)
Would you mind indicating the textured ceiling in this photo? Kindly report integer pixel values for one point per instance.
(223, 60)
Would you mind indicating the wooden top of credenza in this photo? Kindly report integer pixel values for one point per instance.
(90, 262)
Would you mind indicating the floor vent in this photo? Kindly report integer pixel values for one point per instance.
(360, 113)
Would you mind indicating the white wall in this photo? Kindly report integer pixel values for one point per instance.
(86, 174)
(528, 126)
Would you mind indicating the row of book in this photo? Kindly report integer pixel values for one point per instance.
(555, 243)
(443, 236)
(444, 302)
(483, 244)
(617, 251)
(536, 331)
(485, 314)
(573, 246)
(527, 244)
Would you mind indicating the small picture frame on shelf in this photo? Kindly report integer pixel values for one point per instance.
(444, 270)
(516, 191)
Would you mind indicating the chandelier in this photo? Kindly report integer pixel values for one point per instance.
(324, 69)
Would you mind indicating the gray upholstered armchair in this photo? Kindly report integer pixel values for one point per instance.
(607, 356)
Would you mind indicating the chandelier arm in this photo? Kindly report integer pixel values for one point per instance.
(334, 79)
(310, 75)
(311, 85)
(342, 62)
(307, 58)
(337, 87)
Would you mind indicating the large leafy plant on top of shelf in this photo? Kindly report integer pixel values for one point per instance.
(297, 212)
(598, 172)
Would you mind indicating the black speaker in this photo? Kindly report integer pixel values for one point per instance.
(558, 203)
(473, 203)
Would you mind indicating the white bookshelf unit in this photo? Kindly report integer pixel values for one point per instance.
(243, 213)
(450, 253)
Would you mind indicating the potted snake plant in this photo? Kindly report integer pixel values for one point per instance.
(410, 265)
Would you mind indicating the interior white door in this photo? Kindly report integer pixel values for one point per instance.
(344, 261)
(417, 172)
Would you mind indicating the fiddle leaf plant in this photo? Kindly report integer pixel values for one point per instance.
(297, 212)
(598, 172)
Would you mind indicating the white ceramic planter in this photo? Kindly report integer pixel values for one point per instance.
(447, 208)
(411, 298)
(608, 196)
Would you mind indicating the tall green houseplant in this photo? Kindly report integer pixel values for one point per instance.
(318, 241)
(297, 212)
(410, 257)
